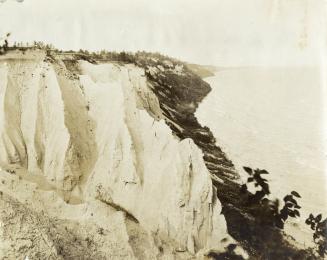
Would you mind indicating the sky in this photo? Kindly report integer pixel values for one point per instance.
(217, 32)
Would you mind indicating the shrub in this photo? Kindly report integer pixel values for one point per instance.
(319, 227)
(264, 209)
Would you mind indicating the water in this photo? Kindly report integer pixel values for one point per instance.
(272, 118)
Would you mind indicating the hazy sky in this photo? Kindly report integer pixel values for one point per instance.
(221, 32)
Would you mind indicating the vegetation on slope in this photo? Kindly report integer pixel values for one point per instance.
(179, 95)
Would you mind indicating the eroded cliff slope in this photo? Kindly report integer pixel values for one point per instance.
(91, 168)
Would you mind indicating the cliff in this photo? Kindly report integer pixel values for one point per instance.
(104, 159)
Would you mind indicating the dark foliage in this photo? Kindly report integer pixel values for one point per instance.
(266, 210)
(319, 227)
(4, 46)
(230, 254)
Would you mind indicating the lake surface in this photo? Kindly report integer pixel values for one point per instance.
(272, 118)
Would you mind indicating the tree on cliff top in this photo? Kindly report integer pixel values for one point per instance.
(4, 45)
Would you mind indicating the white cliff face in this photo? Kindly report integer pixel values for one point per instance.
(33, 128)
(141, 167)
(100, 139)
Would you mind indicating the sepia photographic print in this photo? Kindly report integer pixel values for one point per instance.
(163, 129)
